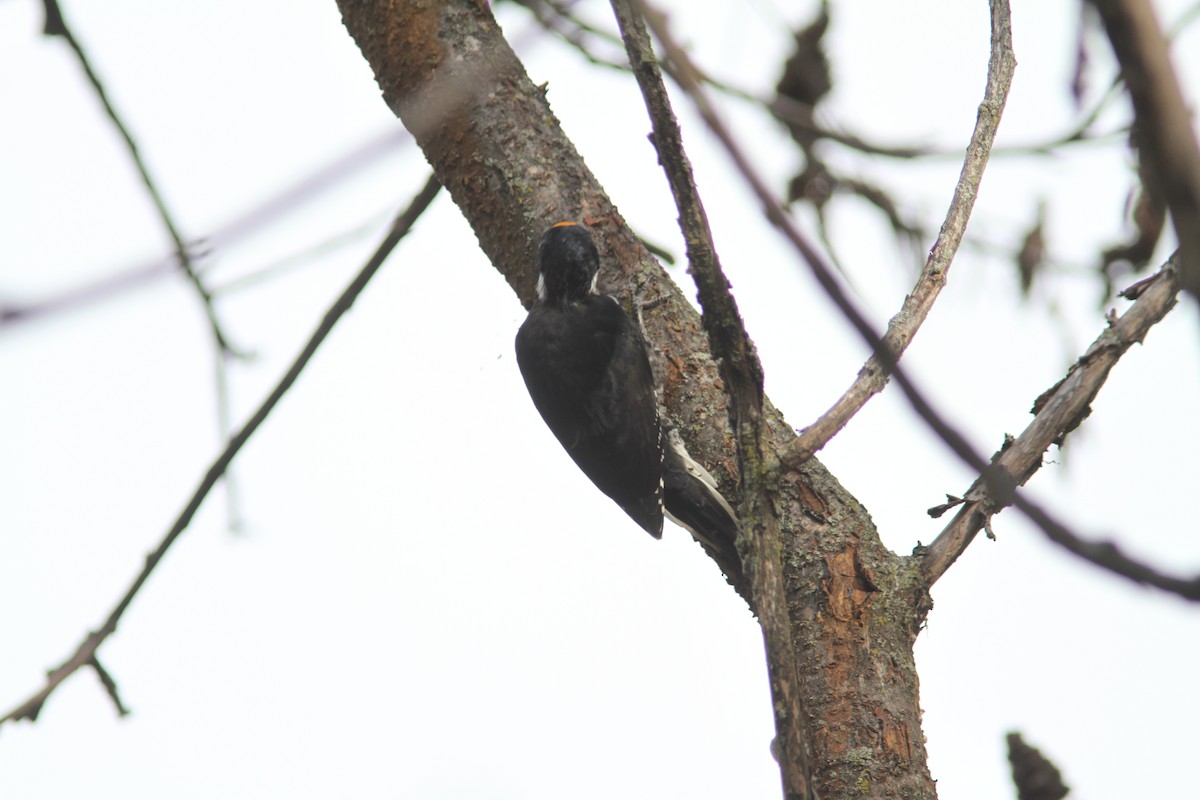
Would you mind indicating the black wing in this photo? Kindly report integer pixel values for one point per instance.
(586, 368)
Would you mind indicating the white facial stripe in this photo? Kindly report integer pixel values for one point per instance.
(595, 278)
(541, 287)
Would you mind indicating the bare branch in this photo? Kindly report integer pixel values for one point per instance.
(1058, 411)
(556, 18)
(85, 654)
(110, 685)
(302, 256)
(56, 26)
(802, 116)
(679, 66)
(722, 321)
(759, 543)
(903, 327)
(1164, 134)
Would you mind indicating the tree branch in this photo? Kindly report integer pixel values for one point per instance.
(722, 321)
(759, 539)
(1058, 412)
(904, 325)
(56, 25)
(86, 653)
(110, 685)
(1164, 134)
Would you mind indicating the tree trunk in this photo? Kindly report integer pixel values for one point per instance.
(855, 607)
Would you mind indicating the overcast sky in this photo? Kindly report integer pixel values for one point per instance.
(425, 599)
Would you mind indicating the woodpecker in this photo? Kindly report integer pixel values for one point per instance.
(587, 369)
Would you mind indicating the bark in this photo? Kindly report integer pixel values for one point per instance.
(855, 608)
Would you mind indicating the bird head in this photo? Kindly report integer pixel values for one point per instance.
(567, 264)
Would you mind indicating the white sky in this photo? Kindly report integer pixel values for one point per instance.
(427, 599)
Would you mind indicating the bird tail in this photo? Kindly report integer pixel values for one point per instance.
(692, 501)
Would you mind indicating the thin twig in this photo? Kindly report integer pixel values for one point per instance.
(85, 655)
(56, 26)
(1058, 411)
(759, 543)
(556, 18)
(802, 116)
(904, 325)
(110, 686)
(301, 257)
(233, 494)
